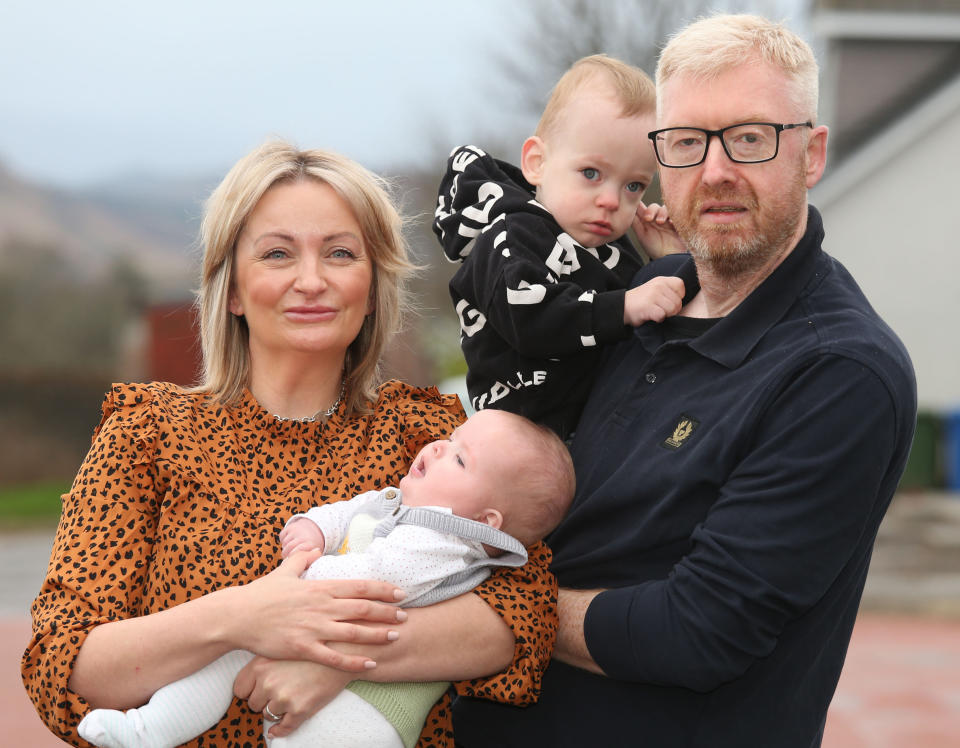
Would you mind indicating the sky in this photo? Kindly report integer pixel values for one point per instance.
(103, 89)
(97, 89)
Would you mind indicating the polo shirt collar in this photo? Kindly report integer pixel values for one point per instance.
(730, 341)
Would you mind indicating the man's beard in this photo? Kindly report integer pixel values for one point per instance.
(730, 252)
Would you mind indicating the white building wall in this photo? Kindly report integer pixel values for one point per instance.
(896, 227)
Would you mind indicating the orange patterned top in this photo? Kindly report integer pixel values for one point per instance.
(180, 496)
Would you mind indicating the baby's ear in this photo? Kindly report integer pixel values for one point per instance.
(532, 156)
(490, 517)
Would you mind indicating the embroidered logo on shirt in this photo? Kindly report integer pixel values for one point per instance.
(681, 433)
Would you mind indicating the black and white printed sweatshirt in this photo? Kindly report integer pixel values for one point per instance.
(534, 306)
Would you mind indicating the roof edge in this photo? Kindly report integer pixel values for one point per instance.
(886, 25)
(875, 152)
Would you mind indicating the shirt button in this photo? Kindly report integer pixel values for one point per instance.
(391, 494)
(650, 377)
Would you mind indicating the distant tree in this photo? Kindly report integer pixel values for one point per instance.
(556, 33)
(62, 334)
(51, 320)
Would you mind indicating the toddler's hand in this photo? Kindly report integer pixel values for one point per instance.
(300, 534)
(656, 232)
(654, 301)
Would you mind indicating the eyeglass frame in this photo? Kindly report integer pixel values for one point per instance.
(778, 128)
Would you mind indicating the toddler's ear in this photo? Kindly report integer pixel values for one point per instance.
(490, 517)
(532, 156)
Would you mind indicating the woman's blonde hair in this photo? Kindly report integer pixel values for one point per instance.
(632, 87)
(224, 336)
(711, 46)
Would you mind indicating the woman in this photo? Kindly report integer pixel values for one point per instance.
(173, 518)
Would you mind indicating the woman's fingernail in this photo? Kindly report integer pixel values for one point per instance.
(399, 594)
(369, 664)
(401, 615)
(392, 636)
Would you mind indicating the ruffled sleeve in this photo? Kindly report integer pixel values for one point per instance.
(102, 546)
(526, 599)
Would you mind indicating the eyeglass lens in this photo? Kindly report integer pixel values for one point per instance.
(746, 143)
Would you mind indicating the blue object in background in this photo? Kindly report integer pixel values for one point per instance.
(951, 450)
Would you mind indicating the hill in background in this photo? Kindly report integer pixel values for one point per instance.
(146, 225)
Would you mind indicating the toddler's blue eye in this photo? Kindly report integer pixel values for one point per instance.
(636, 187)
(590, 174)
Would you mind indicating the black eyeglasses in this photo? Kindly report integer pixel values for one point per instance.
(747, 143)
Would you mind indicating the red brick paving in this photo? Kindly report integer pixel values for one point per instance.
(900, 687)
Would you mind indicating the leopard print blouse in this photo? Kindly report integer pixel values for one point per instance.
(180, 496)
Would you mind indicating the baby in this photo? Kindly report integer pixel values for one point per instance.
(468, 503)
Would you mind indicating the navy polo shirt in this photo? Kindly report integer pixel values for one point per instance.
(730, 488)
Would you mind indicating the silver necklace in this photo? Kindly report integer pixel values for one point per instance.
(320, 414)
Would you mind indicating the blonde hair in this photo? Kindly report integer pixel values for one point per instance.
(224, 336)
(632, 87)
(543, 484)
(716, 44)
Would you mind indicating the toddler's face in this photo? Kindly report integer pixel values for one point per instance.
(468, 472)
(595, 169)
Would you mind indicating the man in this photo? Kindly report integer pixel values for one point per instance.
(733, 462)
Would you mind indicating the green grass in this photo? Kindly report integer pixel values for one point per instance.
(31, 504)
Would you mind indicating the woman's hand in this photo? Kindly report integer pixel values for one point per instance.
(293, 690)
(288, 618)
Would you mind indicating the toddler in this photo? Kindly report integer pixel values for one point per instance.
(544, 261)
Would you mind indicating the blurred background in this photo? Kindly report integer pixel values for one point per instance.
(117, 119)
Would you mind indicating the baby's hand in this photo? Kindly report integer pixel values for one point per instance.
(654, 301)
(655, 231)
(300, 534)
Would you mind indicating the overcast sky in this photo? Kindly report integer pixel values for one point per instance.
(96, 88)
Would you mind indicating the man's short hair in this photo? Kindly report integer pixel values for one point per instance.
(712, 45)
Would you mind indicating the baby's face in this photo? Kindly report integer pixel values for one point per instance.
(596, 167)
(469, 472)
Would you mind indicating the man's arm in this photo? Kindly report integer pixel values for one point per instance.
(571, 647)
(800, 504)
